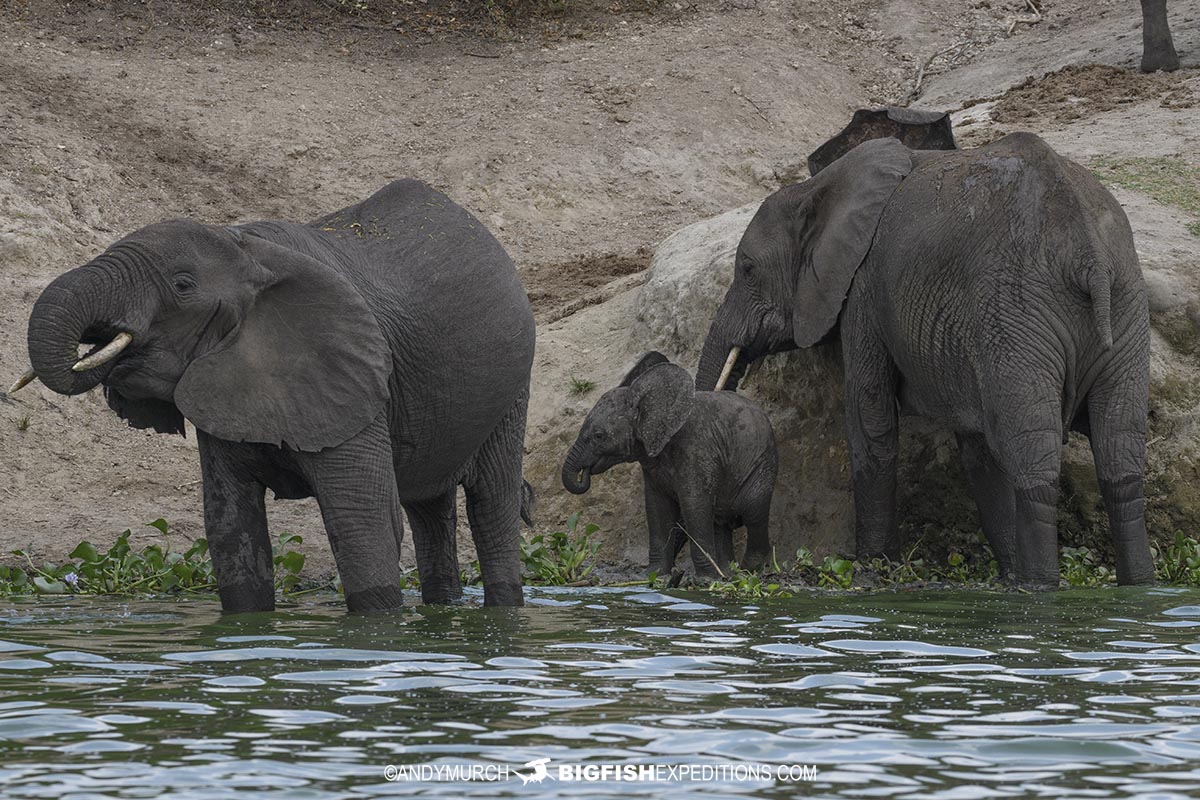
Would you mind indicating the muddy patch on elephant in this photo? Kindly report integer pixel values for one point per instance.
(1083, 90)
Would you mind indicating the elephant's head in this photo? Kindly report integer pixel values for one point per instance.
(632, 422)
(914, 128)
(796, 260)
(248, 339)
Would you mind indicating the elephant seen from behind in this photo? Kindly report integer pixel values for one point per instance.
(995, 289)
(708, 464)
(376, 358)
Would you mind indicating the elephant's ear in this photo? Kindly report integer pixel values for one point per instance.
(651, 359)
(665, 396)
(307, 368)
(160, 415)
(839, 210)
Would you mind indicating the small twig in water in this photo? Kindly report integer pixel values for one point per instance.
(704, 553)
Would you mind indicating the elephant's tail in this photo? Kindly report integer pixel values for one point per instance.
(1099, 287)
(527, 503)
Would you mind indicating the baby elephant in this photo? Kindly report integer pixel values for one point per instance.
(708, 462)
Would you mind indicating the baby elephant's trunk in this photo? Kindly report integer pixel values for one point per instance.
(576, 472)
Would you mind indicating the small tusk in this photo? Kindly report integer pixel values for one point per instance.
(23, 381)
(108, 353)
(729, 362)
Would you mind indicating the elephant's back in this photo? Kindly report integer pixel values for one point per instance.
(459, 322)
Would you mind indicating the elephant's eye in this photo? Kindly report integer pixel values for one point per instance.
(601, 434)
(183, 283)
(747, 267)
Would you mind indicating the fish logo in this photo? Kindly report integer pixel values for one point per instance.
(539, 774)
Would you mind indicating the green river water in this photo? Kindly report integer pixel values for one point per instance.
(930, 694)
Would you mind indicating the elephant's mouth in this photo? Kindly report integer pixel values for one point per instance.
(103, 351)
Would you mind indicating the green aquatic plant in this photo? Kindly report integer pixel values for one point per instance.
(1083, 567)
(124, 569)
(288, 563)
(742, 584)
(1178, 561)
(836, 573)
(561, 557)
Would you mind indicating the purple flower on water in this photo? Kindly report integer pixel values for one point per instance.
(71, 579)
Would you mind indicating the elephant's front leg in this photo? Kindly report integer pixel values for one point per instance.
(662, 521)
(235, 524)
(872, 428)
(355, 486)
(698, 525)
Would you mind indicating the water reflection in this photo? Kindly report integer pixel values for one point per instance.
(1089, 693)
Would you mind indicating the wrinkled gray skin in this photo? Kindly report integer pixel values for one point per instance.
(995, 289)
(708, 463)
(1158, 50)
(916, 130)
(376, 359)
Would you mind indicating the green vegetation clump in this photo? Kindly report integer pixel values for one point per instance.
(1178, 562)
(561, 558)
(580, 386)
(123, 570)
(565, 558)
(1171, 181)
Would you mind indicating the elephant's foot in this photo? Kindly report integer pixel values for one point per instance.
(756, 559)
(376, 598)
(503, 593)
(441, 594)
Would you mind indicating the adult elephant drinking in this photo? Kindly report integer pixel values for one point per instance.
(376, 358)
(996, 289)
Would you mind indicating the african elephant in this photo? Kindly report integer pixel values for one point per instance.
(708, 463)
(1158, 49)
(916, 129)
(995, 289)
(376, 358)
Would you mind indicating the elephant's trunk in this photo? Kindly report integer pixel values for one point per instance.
(78, 306)
(718, 362)
(576, 471)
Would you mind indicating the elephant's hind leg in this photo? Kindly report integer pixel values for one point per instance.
(1117, 418)
(494, 489)
(1025, 440)
(758, 538)
(995, 499)
(434, 527)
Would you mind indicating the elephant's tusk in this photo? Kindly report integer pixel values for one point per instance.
(728, 368)
(104, 355)
(23, 381)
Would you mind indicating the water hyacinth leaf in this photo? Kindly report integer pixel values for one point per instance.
(46, 586)
(85, 551)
